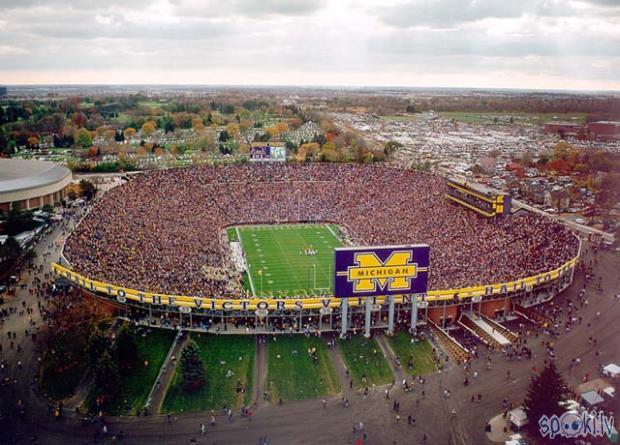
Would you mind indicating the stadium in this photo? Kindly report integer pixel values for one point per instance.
(30, 184)
(250, 248)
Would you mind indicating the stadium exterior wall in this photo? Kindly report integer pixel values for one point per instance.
(561, 277)
(32, 184)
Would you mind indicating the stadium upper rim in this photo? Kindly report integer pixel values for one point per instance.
(22, 179)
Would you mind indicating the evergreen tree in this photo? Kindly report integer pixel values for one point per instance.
(98, 344)
(107, 380)
(192, 367)
(126, 347)
(544, 395)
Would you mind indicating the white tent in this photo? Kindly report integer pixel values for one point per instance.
(591, 398)
(612, 370)
(518, 417)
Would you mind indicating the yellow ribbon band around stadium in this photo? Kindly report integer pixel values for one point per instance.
(123, 293)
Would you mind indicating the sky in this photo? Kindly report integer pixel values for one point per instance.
(529, 44)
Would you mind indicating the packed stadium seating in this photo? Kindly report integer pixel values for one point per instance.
(454, 349)
(532, 315)
(159, 231)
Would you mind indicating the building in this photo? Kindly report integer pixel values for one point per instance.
(2, 91)
(605, 130)
(564, 129)
(31, 184)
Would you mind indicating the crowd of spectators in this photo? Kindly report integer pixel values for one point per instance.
(159, 231)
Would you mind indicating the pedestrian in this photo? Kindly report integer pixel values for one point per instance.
(203, 429)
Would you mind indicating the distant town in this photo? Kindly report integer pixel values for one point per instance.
(558, 152)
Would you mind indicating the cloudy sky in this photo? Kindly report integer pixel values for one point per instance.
(560, 44)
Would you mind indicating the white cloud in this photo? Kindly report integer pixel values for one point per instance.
(525, 43)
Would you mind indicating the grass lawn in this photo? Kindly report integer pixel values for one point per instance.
(275, 264)
(219, 353)
(151, 103)
(291, 374)
(400, 117)
(363, 357)
(519, 118)
(60, 385)
(136, 383)
(421, 351)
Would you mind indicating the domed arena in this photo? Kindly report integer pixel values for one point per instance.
(163, 229)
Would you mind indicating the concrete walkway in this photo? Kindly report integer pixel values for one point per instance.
(260, 371)
(341, 369)
(160, 387)
(397, 371)
(486, 327)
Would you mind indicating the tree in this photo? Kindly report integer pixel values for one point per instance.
(87, 188)
(18, 221)
(83, 138)
(10, 251)
(224, 136)
(543, 397)
(206, 142)
(148, 128)
(126, 347)
(233, 130)
(192, 367)
(98, 344)
(391, 147)
(106, 383)
(129, 133)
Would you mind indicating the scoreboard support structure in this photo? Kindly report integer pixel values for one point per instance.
(344, 305)
(367, 324)
(390, 329)
(379, 271)
(414, 313)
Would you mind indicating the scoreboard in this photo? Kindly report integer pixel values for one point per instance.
(485, 200)
(266, 153)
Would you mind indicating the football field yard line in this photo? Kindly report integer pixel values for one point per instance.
(332, 232)
(319, 265)
(283, 254)
(248, 269)
(278, 251)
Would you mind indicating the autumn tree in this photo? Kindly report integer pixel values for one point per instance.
(198, 124)
(281, 127)
(148, 128)
(129, 133)
(33, 141)
(233, 130)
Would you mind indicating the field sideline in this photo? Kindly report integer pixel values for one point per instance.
(277, 263)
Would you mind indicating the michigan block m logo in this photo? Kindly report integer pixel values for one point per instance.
(392, 274)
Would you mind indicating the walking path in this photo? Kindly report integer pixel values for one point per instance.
(486, 327)
(399, 373)
(260, 371)
(341, 369)
(160, 387)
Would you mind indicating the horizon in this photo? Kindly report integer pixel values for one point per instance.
(311, 87)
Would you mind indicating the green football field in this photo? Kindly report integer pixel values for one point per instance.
(277, 263)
